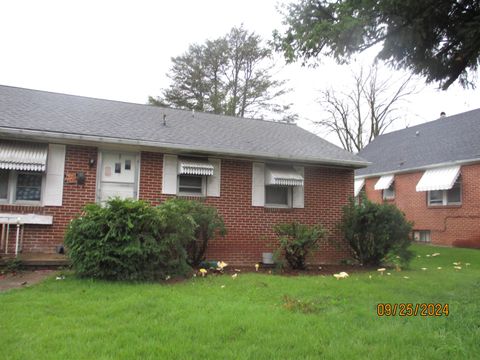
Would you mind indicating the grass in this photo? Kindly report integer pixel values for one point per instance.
(252, 317)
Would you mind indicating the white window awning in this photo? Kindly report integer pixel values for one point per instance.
(23, 156)
(384, 182)
(195, 167)
(438, 179)
(282, 175)
(359, 183)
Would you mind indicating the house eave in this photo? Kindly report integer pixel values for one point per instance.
(173, 147)
(420, 168)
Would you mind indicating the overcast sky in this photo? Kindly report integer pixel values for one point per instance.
(121, 50)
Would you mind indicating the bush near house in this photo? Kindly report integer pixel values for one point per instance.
(132, 240)
(296, 240)
(129, 240)
(376, 233)
(209, 224)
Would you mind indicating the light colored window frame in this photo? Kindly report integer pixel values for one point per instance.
(445, 196)
(427, 234)
(282, 206)
(12, 189)
(392, 189)
(186, 193)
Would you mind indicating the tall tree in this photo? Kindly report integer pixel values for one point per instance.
(366, 110)
(232, 75)
(438, 39)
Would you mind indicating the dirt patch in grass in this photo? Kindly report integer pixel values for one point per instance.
(23, 278)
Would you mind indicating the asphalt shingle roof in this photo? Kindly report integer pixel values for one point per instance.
(68, 114)
(448, 139)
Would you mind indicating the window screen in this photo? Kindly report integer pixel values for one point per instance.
(277, 195)
(454, 194)
(436, 197)
(422, 236)
(29, 186)
(190, 184)
(389, 193)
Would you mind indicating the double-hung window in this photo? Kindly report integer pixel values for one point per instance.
(192, 176)
(277, 186)
(193, 185)
(278, 196)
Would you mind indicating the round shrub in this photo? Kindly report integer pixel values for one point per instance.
(376, 232)
(129, 240)
(296, 240)
(208, 225)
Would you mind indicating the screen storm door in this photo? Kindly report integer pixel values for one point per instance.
(118, 176)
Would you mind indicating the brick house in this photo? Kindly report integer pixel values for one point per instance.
(431, 172)
(59, 152)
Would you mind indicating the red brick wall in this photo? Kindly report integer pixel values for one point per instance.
(44, 238)
(249, 228)
(448, 224)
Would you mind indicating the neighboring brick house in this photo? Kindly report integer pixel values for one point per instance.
(59, 152)
(432, 173)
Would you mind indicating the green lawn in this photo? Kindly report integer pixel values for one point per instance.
(249, 317)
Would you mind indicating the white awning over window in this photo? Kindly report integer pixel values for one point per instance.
(359, 183)
(384, 182)
(439, 179)
(23, 156)
(282, 175)
(195, 167)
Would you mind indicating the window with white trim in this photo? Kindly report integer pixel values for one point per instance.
(389, 194)
(17, 187)
(452, 196)
(191, 185)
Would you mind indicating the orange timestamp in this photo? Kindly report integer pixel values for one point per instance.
(410, 309)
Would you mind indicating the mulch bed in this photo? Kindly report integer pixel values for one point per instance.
(311, 270)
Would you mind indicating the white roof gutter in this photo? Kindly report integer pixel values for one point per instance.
(178, 147)
(420, 168)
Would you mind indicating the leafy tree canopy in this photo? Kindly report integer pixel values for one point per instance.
(438, 39)
(231, 75)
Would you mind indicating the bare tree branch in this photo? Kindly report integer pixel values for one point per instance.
(366, 111)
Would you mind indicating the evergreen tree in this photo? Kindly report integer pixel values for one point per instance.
(231, 75)
(438, 39)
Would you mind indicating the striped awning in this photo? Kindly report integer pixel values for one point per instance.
(282, 175)
(359, 183)
(195, 167)
(23, 156)
(384, 182)
(438, 179)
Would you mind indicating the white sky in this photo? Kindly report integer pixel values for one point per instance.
(121, 50)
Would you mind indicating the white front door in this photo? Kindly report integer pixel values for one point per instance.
(118, 176)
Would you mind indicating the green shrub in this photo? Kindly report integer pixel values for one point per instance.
(129, 240)
(208, 225)
(376, 233)
(296, 240)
